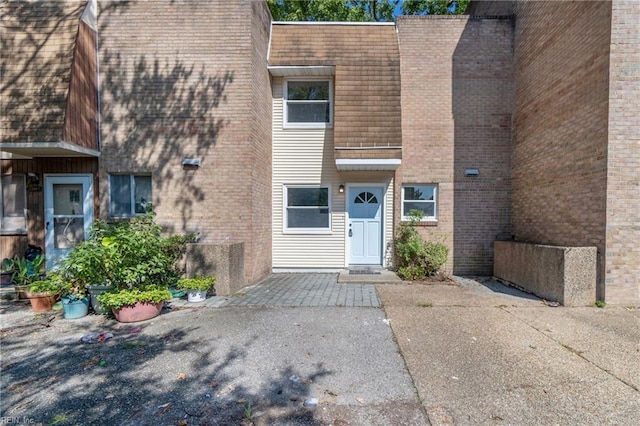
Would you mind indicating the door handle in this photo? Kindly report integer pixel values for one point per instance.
(350, 233)
(46, 226)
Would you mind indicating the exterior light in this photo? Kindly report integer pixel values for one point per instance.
(341, 189)
(195, 162)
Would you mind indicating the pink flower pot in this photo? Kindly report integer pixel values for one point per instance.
(139, 312)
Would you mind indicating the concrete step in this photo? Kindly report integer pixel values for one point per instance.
(369, 275)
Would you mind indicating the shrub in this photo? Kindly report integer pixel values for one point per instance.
(119, 298)
(51, 286)
(126, 255)
(417, 258)
(197, 283)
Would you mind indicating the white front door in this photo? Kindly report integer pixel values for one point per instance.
(68, 213)
(365, 225)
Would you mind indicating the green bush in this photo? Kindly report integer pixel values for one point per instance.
(51, 286)
(126, 255)
(197, 283)
(88, 262)
(119, 298)
(415, 257)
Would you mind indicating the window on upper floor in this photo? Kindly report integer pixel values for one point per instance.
(130, 195)
(423, 198)
(307, 103)
(306, 209)
(13, 190)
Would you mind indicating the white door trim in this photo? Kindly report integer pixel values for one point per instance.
(86, 180)
(383, 238)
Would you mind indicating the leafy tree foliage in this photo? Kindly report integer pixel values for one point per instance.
(434, 7)
(360, 10)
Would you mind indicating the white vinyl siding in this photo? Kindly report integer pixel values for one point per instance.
(305, 157)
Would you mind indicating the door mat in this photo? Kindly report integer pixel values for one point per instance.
(363, 272)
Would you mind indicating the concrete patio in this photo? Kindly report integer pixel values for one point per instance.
(473, 352)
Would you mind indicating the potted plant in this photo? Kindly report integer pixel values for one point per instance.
(136, 304)
(196, 287)
(75, 299)
(43, 294)
(87, 265)
(6, 270)
(24, 271)
(139, 264)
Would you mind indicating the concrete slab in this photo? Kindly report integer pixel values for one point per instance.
(608, 338)
(382, 276)
(464, 292)
(480, 355)
(205, 366)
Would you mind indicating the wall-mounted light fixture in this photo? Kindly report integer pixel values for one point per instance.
(341, 189)
(194, 162)
(471, 172)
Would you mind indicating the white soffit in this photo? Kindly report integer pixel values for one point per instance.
(301, 71)
(47, 149)
(343, 164)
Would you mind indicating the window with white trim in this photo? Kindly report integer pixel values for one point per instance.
(13, 189)
(306, 208)
(130, 195)
(422, 198)
(307, 103)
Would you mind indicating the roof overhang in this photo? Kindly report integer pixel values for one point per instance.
(367, 164)
(46, 149)
(301, 71)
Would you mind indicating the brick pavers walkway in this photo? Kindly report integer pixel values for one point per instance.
(292, 290)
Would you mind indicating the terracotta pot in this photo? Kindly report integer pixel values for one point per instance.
(42, 302)
(139, 312)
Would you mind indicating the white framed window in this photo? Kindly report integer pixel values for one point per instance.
(308, 103)
(13, 206)
(306, 209)
(129, 195)
(423, 198)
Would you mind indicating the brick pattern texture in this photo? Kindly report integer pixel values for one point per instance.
(187, 79)
(456, 114)
(622, 256)
(559, 183)
(38, 40)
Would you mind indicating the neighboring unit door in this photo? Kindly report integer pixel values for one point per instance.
(365, 226)
(68, 213)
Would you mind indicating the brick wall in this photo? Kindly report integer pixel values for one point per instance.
(261, 142)
(622, 257)
(456, 114)
(559, 185)
(178, 79)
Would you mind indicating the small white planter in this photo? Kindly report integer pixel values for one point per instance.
(196, 295)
